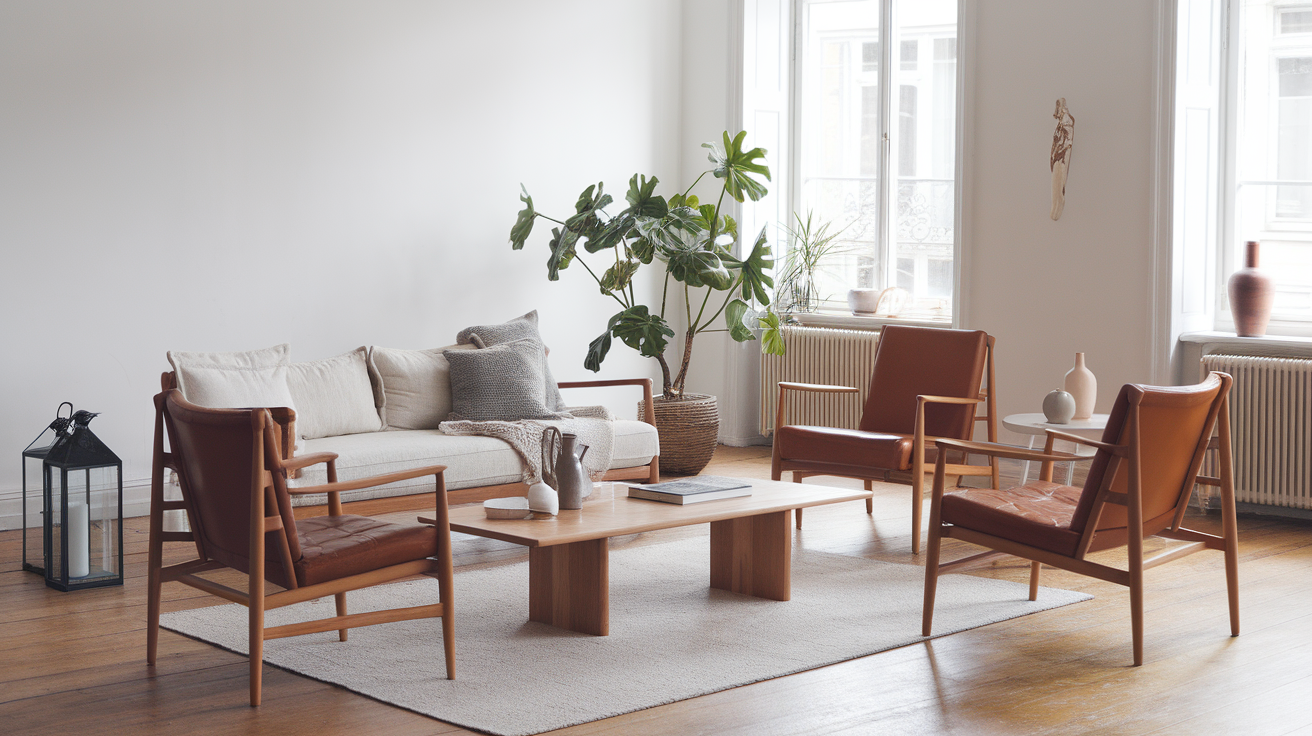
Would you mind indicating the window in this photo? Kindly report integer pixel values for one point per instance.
(859, 114)
(851, 158)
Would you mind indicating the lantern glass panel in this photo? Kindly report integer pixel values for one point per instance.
(33, 513)
(103, 518)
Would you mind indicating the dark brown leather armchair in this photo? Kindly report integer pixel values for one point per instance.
(1139, 485)
(925, 385)
(234, 490)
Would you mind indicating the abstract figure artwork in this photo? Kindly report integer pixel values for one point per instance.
(1062, 139)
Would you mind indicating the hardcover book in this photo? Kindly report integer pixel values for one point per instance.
(692, 490)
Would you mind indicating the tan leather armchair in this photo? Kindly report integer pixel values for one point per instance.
(233, 477)
(926, 384)
(1139, 485)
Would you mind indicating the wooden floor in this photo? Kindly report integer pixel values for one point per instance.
(75, 662)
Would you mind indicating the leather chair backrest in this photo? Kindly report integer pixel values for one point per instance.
(1175, 425)
(911, 361)
(216, 452)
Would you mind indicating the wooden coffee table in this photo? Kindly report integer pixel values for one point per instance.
(568, 557)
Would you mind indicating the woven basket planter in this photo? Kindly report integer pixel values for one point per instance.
(688, 427)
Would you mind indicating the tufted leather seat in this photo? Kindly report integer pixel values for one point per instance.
(334, 547)
(1039, 512)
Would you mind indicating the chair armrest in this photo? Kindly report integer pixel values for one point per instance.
(377, 480)
(1114, 449)
(817, 388)
(993, 449)
(947, 400)
(304, 461)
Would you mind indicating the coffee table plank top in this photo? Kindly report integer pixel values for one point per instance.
(623, 515)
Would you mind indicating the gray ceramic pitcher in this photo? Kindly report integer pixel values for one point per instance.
(562, 467)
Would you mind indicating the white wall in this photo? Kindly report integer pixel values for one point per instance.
(231, 175)
(1083, 283)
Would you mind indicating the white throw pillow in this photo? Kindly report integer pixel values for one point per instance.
(413, 386)
(219, 387)
(263, 358)
(333, 396)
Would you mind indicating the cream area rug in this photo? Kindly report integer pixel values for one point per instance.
(671, 636)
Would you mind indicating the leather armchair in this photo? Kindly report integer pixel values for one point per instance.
(233, 476)
(1139, 485)
(926, 384)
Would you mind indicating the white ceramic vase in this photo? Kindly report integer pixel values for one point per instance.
(1058, 406)
(1083, 386)
(543, 499)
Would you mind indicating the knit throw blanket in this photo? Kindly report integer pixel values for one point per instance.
(594, 426)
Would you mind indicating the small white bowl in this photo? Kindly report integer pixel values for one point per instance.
(515, 507)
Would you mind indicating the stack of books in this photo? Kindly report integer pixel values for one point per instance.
(692, 490)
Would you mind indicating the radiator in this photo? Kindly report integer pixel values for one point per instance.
(819, 355)
(1271, 428)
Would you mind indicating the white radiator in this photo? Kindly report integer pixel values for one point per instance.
(819, 355)
(1271, 428)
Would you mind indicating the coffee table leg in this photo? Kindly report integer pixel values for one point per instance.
(752, 555)
(569, 586)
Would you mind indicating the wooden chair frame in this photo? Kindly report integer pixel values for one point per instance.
(264, 518)
(1091, 541)
(920, 442)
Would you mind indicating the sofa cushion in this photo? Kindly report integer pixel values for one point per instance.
(471, 461)
(412, 387)
(217, 387)
(333, 396)
(519, 328)
(263, 358)
(499, 383)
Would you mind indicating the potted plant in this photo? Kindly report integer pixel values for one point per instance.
(810, 243)
(692, 243)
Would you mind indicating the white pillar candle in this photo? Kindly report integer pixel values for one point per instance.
(77, 527)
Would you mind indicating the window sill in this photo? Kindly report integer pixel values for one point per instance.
(1283, 344)
(862, 322)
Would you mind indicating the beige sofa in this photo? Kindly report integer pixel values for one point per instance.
(394, 413)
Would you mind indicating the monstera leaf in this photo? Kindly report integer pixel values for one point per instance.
(772, 337)
(753, 269)
(643, 200)
(733, 318)
(598, 348)
(644, 332)
(524, 223)
(586, 221)
(618, 276)
(690, 259)
(736, 167)
(562, 252)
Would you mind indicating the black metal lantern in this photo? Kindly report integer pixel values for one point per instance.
(81, 486)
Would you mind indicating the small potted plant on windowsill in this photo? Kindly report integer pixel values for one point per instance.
(693, 243)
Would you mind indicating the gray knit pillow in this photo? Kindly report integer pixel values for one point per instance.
(504, 382)
(519, 328)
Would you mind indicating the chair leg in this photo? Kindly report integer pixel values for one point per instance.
(445, 583)
(256, 644)
(917, 502)
(153, 585)
(931, 578)
(1034, 580)
(870, 502)
(1136, 618)
(340, 599)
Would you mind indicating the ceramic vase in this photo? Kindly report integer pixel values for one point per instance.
(1083, 387)
(543, 499)
(1250, 295)
(1058, 406)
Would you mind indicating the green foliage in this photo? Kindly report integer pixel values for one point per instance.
(736, 167)
(524, 223)
(772, 337)
(693, 241)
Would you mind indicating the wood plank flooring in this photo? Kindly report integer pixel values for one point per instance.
(75, 662)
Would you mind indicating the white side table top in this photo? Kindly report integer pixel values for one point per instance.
(1037, 423)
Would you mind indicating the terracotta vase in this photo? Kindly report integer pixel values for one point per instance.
(1082, 385)
(1250, 296)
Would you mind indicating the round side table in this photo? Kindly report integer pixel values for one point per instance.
(1035, 425)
